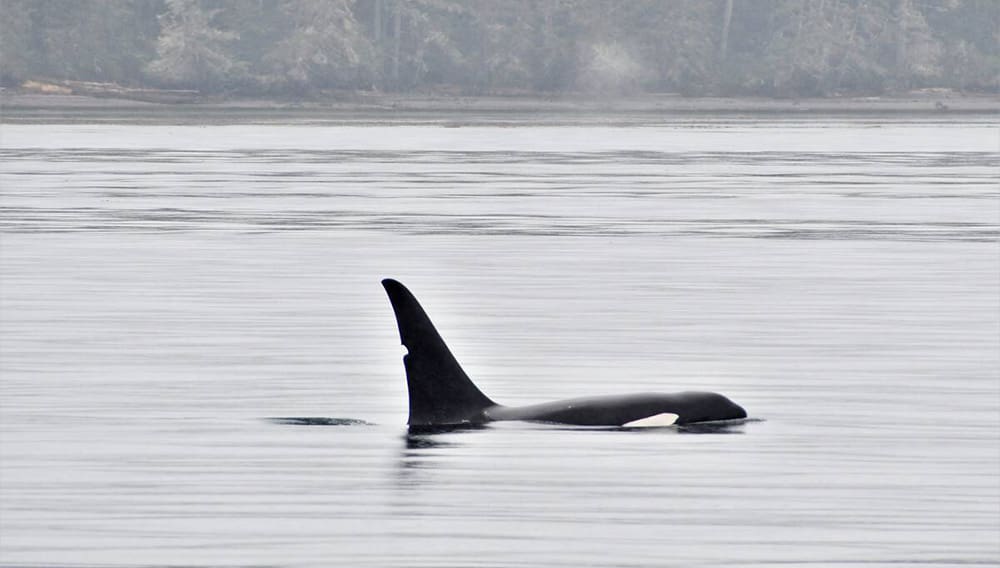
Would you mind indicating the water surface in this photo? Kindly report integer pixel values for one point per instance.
(166, 289)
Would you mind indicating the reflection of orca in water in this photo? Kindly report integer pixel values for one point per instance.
(442, 394)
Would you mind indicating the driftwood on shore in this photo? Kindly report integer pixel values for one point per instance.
(112, 91)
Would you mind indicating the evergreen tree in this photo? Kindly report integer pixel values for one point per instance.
(18, 52)
(325, 48)
(191, 51)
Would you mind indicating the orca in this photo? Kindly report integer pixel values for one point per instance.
(442, 395)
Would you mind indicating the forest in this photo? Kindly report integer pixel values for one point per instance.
(311, 48)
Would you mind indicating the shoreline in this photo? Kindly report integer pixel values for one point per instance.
(21, 107)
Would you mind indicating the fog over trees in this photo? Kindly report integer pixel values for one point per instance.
(285, 48)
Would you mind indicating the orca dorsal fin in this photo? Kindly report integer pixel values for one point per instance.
(440, 391)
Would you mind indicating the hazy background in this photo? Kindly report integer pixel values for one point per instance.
(781, 48)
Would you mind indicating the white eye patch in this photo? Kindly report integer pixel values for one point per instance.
(662, 419)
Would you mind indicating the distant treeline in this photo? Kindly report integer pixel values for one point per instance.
(279, 48)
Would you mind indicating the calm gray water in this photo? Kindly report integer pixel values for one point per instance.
(167, 288)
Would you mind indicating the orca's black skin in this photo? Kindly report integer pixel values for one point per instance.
(441, 394)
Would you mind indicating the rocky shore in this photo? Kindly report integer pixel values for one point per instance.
(26, 107)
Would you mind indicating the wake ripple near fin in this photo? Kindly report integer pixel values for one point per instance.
(317, 421)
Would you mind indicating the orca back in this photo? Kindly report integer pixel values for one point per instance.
(440, 391)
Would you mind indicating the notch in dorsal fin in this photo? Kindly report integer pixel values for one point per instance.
(440, 391)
